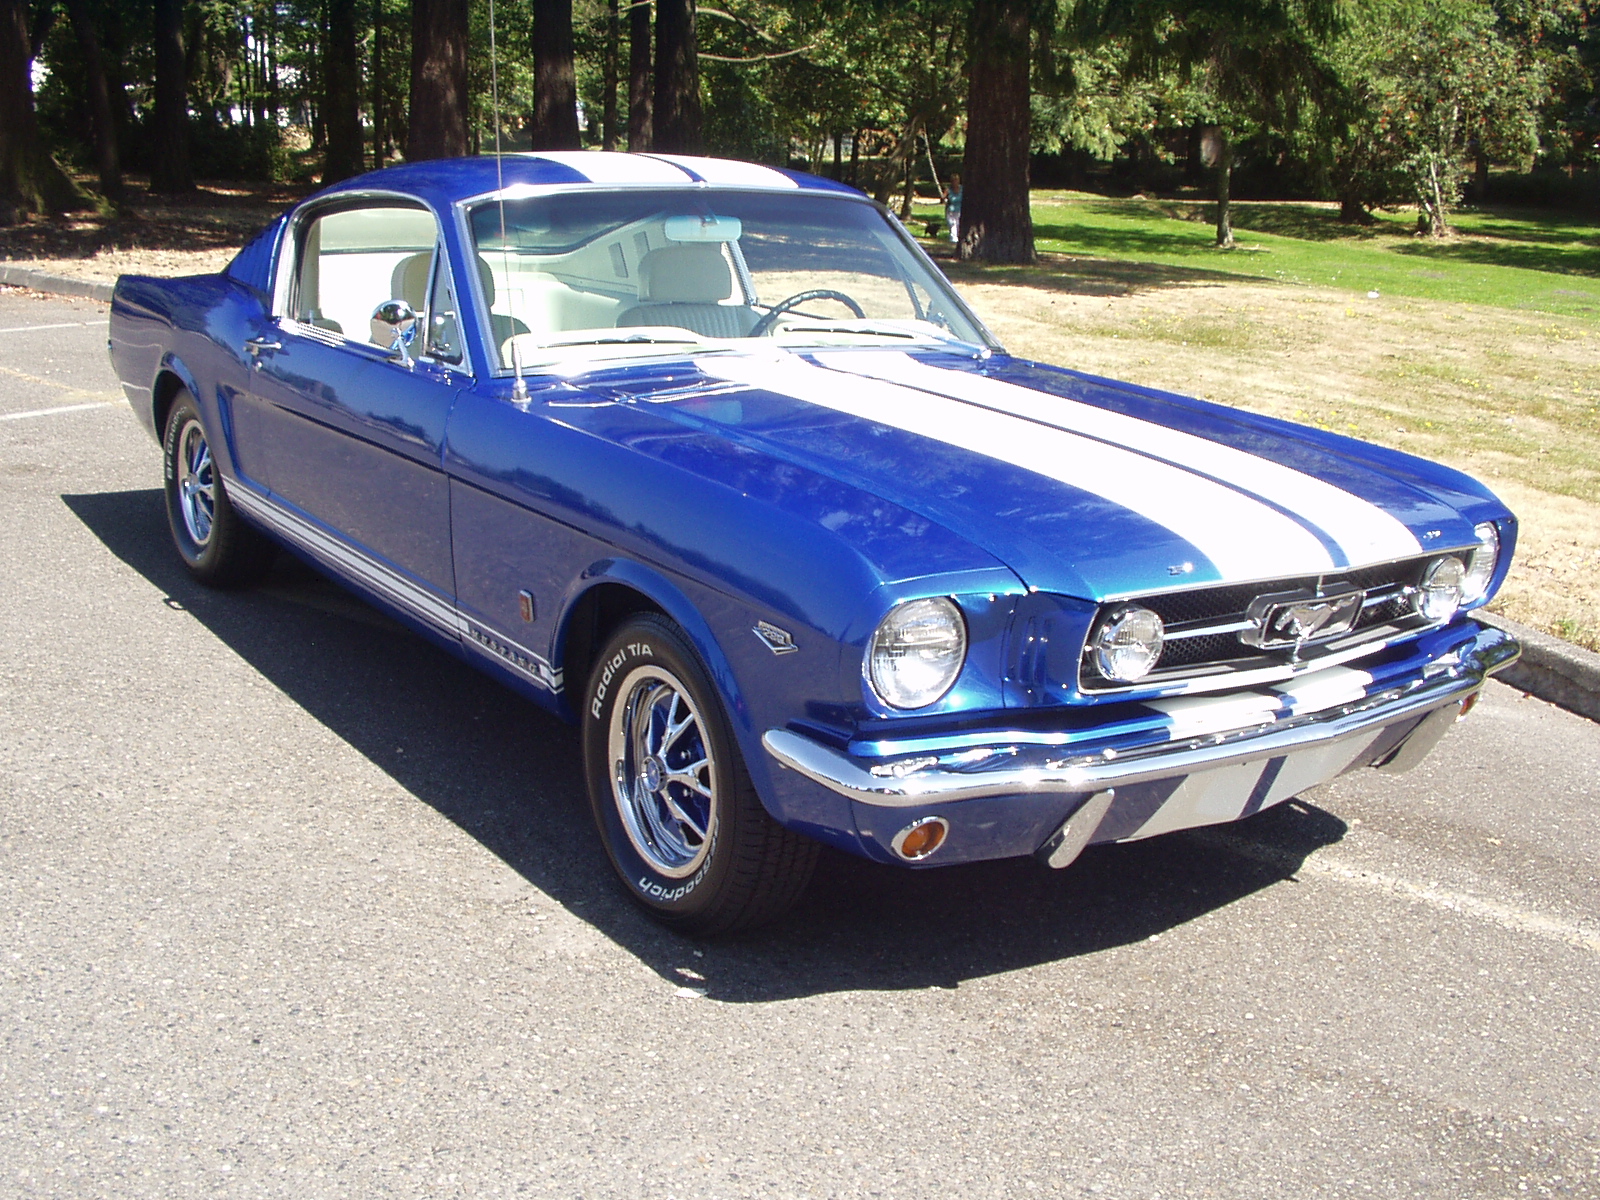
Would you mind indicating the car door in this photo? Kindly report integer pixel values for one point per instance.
(352, 430)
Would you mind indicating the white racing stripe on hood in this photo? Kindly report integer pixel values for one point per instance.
(1364, 532)
(1243, 538)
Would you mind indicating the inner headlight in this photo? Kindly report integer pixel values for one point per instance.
(1480, 567)
(1126, 644)
(917, 652)
(1440, 595)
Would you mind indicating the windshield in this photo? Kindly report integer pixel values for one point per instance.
(618, 272)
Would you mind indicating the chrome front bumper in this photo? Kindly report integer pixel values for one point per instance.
(1392, 726)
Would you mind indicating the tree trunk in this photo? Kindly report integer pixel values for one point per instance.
(838, 157)
(910, 176)
(169, 161)
(555, 80)
(855, 159)
(1352, 211)
(44, 20)
(996, 223)
(1224, 192)
(30, 181)
(677, 104)
(107, 161)
(639, 85)
(1480, 173)
(377, 85)
(341, 102)
(1441, 223)
(608, 76)
(439, 34)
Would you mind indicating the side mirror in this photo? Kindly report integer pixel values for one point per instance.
(394, 326)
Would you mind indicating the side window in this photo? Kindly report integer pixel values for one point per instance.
(444, 327)
(354, 259)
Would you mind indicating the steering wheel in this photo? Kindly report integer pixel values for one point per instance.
(765, 324)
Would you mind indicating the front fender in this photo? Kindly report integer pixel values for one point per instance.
(788, 681)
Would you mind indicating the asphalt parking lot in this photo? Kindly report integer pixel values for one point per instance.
(296, 905)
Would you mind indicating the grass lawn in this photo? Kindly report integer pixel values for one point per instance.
(1482, 352)
(1519, 260)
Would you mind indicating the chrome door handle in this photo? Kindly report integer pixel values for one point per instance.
(256, 345)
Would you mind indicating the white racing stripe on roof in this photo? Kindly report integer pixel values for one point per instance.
(597, 166)
(1243, 538)
(1364, 532)
(731, 174)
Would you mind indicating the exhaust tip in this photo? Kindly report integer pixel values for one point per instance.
(920, 838)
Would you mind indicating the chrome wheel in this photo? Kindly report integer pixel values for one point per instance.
(197, 483)
(662, 776)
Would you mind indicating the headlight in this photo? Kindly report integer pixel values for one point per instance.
(917, 652)
(1126, 644)
(1480, 567)
(1440, 595)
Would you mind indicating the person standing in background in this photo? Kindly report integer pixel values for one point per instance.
(952, 207)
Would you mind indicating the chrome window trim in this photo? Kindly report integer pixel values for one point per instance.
(286, 265)
(440, 258)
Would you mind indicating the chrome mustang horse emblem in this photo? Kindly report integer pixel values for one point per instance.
(1298, 618)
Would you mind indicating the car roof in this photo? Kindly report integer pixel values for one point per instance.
(446, 181)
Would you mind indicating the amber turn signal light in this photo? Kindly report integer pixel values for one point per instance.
(920, 838)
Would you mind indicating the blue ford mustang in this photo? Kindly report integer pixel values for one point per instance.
(709, 459)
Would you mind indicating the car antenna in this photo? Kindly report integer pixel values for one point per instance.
(519, 389)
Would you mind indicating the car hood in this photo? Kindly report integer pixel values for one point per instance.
(1082, 486)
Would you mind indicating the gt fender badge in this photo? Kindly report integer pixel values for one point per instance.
(775, 639)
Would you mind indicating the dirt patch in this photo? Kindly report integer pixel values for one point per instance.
(149, 235)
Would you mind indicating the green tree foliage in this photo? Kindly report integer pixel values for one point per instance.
(1254, 64)
(1431, 90)
(1379, 102)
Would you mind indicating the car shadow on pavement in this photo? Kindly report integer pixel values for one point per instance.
(510, 776)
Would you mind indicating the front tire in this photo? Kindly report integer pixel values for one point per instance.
(679, 817)
(216, 545)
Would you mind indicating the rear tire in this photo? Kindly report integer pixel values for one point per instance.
(679, 817)
(216, 545)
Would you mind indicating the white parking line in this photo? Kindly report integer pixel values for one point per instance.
(64, 325)
(60, 408)
(1505, 914)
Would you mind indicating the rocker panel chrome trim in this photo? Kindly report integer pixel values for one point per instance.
(404, 593)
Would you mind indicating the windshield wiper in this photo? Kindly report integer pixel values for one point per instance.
(875, 329)
(630, 339)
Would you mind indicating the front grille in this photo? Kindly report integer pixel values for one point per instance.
(1202, 643)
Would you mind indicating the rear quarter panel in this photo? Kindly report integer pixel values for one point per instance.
(191, 331)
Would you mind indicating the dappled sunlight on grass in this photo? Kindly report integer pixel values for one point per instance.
(1508, 259)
